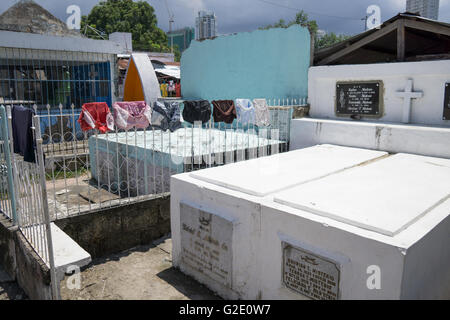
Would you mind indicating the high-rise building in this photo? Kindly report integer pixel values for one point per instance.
(425, 8)
(205, 25)
(181, 38)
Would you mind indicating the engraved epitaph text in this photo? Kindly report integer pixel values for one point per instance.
(359, 98)
(206, 243)
(446, 115)
(311, 275)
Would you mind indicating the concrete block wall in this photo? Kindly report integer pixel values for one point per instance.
(22, 264)
(7, 251)
(121, 228)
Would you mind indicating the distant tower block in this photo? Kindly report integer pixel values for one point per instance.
(426, 8)
(205, 25)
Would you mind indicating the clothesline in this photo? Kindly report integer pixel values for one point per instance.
(167, 115)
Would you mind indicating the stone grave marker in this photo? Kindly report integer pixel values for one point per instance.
(359, 98)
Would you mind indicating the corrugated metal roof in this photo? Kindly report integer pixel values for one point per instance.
(171, 71)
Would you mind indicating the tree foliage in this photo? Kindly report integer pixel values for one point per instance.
(329, 39)
(138, 18)
(177, 53)
(302, 19)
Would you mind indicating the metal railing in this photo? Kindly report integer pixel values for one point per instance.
(78, 172)
(25, 201)
(40, 77)
(88, 171)
(7, 194)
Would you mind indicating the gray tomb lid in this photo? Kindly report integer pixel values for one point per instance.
(263, 176)
(385, 196)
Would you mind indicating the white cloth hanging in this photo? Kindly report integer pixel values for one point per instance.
(245, 111)
(262, 114)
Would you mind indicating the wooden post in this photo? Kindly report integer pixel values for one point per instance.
(401, 41)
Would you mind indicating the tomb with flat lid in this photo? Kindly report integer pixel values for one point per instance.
(143, 161)
(325, 222)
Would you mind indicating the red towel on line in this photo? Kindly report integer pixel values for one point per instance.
(96, 115)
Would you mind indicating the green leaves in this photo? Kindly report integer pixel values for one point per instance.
(329, 39)
(138, 18)
(302, 19)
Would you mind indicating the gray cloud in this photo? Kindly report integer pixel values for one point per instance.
(339, 16)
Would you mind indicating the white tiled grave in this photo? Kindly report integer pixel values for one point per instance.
(324, 222)
(143, 161)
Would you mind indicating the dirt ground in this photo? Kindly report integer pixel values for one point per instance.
(142, 273)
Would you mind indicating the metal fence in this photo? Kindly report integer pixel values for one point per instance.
(88, 171)
(7, 194)
(41, 77)
(24, 196)
(78, 172)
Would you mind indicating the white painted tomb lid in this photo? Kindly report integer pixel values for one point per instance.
(262, 176)
(385, 196)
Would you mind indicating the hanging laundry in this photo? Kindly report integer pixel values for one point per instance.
(245, 111)
(128, 115)
(171, 86)
(166, 116)
(164, 90)
(262, 114)
(24, 143)
(178, 89)
(199, 110)
(96, 115)
(224, 111)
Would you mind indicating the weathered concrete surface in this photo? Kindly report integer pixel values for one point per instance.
(22, 264)
(33, 275)
(7, 248)
(99, 233)
(117, 229)
(300, 112)
(142, 273)
(9, 290)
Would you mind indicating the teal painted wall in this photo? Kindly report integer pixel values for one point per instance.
(270, 64)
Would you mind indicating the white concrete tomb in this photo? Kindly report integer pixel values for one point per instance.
(324, 222)
(394, 107)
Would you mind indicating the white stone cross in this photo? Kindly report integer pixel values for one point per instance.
(408, 95)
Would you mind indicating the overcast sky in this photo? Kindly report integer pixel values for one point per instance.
(339, 16)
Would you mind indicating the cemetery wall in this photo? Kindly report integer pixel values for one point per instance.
(268, 64)
(429, 77)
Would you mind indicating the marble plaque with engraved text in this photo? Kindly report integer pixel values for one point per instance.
(309, 274)
(206, 243)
